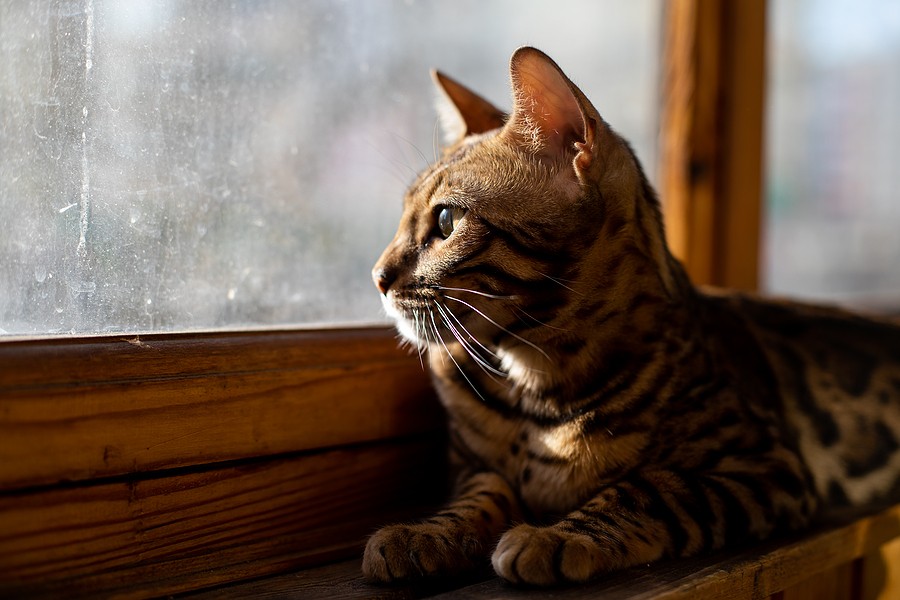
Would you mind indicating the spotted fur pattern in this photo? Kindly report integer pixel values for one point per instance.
(603, 412)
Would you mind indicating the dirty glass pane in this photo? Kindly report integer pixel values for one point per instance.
(173, 165)
(833, 189)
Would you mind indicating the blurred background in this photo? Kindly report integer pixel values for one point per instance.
(832, 228)
(169, 165)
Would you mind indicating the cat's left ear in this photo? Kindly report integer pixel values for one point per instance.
(551, 116)
(462, 111)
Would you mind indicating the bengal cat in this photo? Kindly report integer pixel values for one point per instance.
(603, 412)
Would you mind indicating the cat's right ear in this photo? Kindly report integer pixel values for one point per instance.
(462, 111)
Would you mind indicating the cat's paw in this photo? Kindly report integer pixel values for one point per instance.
(402, 552)
(546, 556)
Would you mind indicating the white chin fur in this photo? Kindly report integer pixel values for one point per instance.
(406, 329)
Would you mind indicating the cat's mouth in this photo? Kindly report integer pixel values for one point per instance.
(423, 317)
(413, 316)
(438, 316)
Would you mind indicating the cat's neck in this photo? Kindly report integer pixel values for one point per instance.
(543, 368)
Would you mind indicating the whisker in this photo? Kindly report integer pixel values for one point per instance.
(420, 334)
(413, 146)
(394, 163)
(479, 360)
(560, 283)
(447, 350)
(434, 138)
(521, 311)
(436, 337)
(468, 333)
(476, 292)
(501, 327)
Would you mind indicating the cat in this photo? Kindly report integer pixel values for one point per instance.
(603, 411)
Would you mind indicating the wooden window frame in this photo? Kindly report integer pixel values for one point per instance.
(711, 137)
(111, 406)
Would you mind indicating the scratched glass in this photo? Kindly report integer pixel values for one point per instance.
(169, 165)
(833, 206)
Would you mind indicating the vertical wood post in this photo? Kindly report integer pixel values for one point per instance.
(712, 136)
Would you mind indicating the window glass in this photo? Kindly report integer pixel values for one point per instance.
(833, 197)
(172, 165)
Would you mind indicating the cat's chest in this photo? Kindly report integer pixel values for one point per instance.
(553, 467)
(550, 468)
(546, 466)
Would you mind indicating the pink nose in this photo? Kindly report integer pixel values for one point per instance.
(383, 280)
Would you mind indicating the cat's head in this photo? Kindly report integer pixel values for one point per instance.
(522, 223)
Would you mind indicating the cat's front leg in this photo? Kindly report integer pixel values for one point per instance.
(657, 514)
(452, 541)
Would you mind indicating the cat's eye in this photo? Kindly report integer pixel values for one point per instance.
(448, 220)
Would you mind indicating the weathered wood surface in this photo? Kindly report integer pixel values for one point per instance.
(160, 535)
(90, 408)
(881, 573)
(826, 564)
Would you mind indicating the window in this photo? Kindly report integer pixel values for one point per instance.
(198, 165)
(833, 210)
(191, 172)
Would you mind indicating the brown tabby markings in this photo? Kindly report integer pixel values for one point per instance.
(603, 412)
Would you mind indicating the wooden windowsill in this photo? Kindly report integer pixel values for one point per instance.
(82, 409)
(178, 463)
(852, 559)
(172, 462)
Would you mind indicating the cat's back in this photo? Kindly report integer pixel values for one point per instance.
(853, 355)
(837, 376)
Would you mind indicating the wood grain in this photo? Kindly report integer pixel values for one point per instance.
(73, 410)
(881, 573)
(161, 535)
(818, 565)
(711, 150)
(837, 583)
(59, 361)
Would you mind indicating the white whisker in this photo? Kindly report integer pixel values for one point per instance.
(538, 321)
(485, 294)
(420, 335)
(469, 334)
(435, 345)
(560, 283)
(440, 338)
(467, 346)
(435, 144)
(501, 327)
(421, 154)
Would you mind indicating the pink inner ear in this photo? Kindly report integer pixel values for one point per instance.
(546, 100)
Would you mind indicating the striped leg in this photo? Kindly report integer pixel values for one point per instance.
(451, 541)
(656, 514)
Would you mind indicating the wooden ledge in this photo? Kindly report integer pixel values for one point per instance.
(857, 559)
(175, 463)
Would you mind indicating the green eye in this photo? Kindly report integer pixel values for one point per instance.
(448, 220)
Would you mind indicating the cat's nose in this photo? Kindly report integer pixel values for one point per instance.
(383, 279)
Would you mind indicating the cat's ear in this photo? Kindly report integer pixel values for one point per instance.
(550, 115)
(462, 111)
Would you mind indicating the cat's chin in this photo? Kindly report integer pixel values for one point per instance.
(406, 329)
(408, 333)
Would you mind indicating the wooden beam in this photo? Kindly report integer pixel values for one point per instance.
(155, 536)
(711, 137)
(824, 564)
(73, 410)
